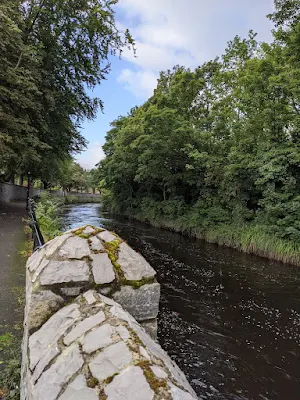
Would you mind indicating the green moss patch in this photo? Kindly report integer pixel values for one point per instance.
(108, 380)
(92, 382)
(153, 381)
(112, 249)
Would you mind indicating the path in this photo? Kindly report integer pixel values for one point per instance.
(12, 271)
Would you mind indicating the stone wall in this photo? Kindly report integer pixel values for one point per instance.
(85, 292)
(10, 192)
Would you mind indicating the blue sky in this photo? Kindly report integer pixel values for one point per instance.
(167, 32)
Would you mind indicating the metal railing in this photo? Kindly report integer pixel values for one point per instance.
(37, 236)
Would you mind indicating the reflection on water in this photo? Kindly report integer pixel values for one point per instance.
(230, 320)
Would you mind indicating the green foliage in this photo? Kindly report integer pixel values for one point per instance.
(6, 340)
(52, 54)
(47, 212)
(218, 146)
(10, 370)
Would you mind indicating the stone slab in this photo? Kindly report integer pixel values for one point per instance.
(90, 297)
(49, 355)
(52, 381)
(75, 248)
(84, 326)
(110, 361)
(35, 260)
(89, 230)
(41, 306)
(150, 327)
(123, 332)
(151, 345)
(133, 265)
(179, 394)
(141, 303)
(50, 332)
(65, 271)
(144, 353)
(98, 338)
(78, 390)
(102, 267)
(129, 384)
(106, 236)
(40, 268)
(159, 372)
(52, 246)
(96, 244)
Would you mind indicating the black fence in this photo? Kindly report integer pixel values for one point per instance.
(37, 236)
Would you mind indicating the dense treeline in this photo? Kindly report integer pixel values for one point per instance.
(215, 151)
(72, 176)
(52, 52)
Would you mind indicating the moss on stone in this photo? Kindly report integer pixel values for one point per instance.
(135, 337)
(102, 395)
(84, 235)
(92, 382)
(110, 378)
(79, 231)
(138, 284)
(154, 382)
(112, 249)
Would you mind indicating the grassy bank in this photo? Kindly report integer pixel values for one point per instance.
(248, 238)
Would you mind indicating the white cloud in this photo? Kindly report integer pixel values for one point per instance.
(140, 83)
(89, 158)
(156, 58)
(185, 32)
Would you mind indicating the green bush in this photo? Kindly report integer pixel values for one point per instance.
(47, 213)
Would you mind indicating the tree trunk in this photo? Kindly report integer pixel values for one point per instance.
(45, 185)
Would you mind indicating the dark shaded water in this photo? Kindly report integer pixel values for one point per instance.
(231, 321)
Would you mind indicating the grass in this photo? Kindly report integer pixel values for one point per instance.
(10, 367)
(248, 238)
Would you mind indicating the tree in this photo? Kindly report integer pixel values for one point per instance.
(19, 96)
(217, 145)
(55, 51)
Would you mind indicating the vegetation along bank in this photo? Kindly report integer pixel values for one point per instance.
(215, 152)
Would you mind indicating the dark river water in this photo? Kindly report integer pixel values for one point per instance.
(230, 320)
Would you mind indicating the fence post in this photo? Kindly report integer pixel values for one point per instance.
(37, 236)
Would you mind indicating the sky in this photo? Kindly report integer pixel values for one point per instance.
(167, 33)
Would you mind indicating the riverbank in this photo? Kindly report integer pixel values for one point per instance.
(248, 238)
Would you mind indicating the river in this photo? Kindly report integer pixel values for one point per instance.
(230, 320)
